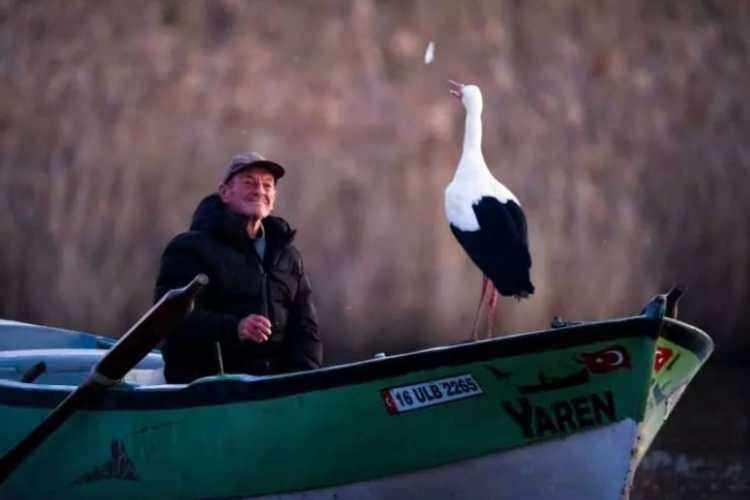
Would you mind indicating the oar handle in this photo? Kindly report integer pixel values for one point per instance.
(121, 358)
(154, 326)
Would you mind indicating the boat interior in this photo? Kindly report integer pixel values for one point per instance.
(53, 356)
(71, 367)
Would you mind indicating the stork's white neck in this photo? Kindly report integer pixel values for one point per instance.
(472, 162)
(472, 132)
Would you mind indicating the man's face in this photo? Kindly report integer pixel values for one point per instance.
(251, 192)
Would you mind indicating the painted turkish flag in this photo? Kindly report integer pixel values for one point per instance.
(390, 404)
(663, 354)
(606, 360)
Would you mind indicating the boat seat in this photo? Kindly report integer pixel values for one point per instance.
(145, 376)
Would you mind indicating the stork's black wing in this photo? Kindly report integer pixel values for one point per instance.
(500, 247)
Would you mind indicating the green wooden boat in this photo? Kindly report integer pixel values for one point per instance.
(565, 413)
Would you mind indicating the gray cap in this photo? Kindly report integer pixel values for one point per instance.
(252, 159)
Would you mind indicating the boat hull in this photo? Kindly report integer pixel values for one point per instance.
(551, 469)
(511, 417)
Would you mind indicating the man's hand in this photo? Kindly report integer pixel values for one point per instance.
(255, 328)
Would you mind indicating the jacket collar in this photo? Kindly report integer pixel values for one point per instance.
(212, 216)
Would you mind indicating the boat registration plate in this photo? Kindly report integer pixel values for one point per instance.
(434, 392)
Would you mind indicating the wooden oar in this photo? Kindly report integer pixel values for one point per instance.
(119, 360)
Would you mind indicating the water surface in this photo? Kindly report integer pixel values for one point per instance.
(703, 450)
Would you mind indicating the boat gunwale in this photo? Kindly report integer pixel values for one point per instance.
(688, 336)
(219, 390)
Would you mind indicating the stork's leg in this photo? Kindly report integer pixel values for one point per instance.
(475, 328)
(491, 310)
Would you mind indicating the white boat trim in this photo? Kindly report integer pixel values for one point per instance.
(591, 465)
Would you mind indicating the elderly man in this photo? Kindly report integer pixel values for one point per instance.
(258, 305)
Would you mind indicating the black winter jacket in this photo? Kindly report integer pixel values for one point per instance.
(240, 284)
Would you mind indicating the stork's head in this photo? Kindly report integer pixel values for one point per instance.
(470, 95)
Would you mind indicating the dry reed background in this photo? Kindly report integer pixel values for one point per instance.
(621, 125)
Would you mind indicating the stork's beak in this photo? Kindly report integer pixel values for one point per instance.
(455, 88)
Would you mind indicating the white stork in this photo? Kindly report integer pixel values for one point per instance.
(485, 217)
